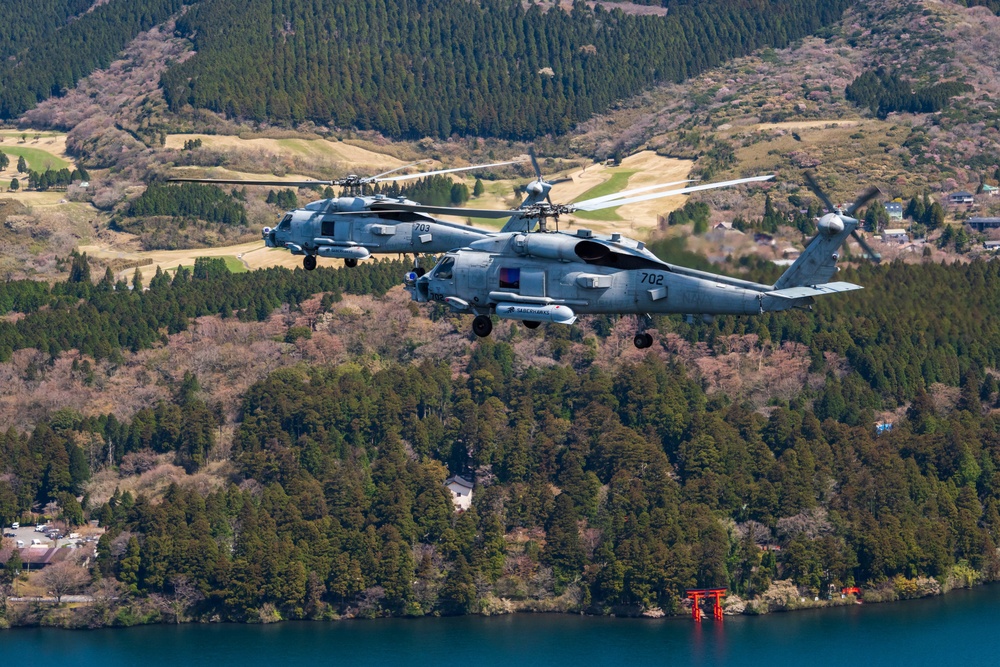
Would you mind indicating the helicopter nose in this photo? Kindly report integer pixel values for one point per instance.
(268, 235)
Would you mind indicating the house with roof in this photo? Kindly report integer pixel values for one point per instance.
(895, 236)
(982, 224)
(40, 556)
(461, 492)
(960, 198)
(895, 210)
(990, 190)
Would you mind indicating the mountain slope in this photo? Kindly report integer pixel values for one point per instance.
(56, 58)
(411, 69)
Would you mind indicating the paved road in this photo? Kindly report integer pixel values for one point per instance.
(52, 600)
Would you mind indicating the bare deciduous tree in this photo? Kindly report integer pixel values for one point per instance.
(65, 577)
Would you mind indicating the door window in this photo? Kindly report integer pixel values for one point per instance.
(510, 278)
(445, 269)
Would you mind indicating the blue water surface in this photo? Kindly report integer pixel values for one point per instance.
(962, 628)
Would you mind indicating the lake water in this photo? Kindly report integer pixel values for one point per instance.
(962, 628)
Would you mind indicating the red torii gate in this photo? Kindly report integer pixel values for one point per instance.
(697, 594)
(847, 590)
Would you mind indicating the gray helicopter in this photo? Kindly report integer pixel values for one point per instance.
(355, 226)
(555, 276)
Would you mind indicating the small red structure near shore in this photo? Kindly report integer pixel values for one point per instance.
(848, 590)
(697, 594)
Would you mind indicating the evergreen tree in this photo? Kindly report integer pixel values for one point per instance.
(562, 549)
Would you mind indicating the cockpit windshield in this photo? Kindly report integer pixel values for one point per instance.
(286, 222)
(444, 269)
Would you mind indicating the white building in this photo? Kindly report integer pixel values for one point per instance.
(461, 492)
(895, 236)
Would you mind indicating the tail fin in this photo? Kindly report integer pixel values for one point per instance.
(818, 262)
(537, 192)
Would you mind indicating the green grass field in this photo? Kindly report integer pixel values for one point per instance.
(37, 159)
(617, 183)
(232, 263)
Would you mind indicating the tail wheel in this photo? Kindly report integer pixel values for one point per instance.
(482, 326)
(350, 262)
(309, 262)
(531, 325)
(642, 341)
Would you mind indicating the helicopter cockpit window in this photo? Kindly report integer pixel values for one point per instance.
(286, 222)
(510, 278)
(445, 268)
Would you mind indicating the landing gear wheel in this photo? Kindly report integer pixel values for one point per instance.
(309, 262)
(350, 262)
(642, 341)
(531, 325)
(482, 326)
(420, 271)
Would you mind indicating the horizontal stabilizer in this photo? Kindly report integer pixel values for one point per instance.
(814, 290)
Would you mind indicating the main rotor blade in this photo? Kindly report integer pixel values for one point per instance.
(872, 255)
(818, 191)
(863, 199)
(448, 171)
(405, 166)
(591, 205)
(379, 211)
(629, 193)
(447, 210)
(233, 181)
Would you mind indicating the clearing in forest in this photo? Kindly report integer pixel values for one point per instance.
(314, 149)
(41, 150)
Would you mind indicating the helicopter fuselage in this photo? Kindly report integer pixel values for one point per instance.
(557, 287)
(346, 228)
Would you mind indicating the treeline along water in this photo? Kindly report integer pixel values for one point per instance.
(959, 628)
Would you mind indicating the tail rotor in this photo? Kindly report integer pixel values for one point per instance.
(836, 220)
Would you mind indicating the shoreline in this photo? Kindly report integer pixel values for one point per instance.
(73, 615)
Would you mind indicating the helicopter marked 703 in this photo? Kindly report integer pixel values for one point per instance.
(350, 228)
(553, 277)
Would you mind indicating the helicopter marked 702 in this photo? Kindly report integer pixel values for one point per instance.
(553, 277)
(350, 228)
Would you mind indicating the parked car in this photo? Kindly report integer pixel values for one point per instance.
(15, 525)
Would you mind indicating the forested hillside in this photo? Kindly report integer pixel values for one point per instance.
(438, 67)
(31, 22)
(102, 319)
(49, 53)
(350, 511)
(188, 200)
(599, 487)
